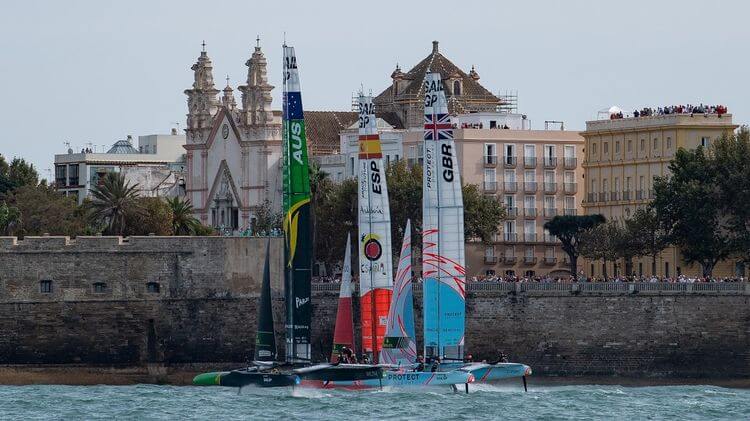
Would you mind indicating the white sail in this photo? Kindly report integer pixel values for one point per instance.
(375, 261)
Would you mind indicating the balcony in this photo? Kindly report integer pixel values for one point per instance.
(510, 161)
(550, 261)
(510, 186)
(591, 198)
(529, 260)
(529, 162)
(651, 194)
(529, 213)
(509, 260)
(490, 260)
(510, 237)
(550, 212)
(490, 161)
(603, 197)
(529, 238)
(570, 163)
(550, 162)
(511, 213)
(529, 186)
(639, 195)
(550, 187)
(570, 212)
(490, 186)
(614, 196)
(549, 238)
(626, 195)
(570, 188)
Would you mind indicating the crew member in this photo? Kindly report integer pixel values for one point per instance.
(435, 364)
(420, 364)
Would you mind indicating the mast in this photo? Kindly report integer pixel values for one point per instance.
(443, 258)
(343, 335)
(399, 345)
(265, 339)
(297, 218)
(375, 259)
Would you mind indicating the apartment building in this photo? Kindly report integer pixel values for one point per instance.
(624, 156)
(536, 174)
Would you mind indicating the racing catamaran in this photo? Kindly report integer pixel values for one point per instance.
(343, 335)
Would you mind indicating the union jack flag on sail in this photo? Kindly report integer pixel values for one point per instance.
(437, 127)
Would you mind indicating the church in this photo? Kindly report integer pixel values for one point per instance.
(233, 152)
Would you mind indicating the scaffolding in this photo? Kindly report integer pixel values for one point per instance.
(508, 101)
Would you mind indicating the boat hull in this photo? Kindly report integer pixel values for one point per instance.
(484, 372)
(405, 379)
(245, 378)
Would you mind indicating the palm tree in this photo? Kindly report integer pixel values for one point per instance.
(113, 200)
(183, 222)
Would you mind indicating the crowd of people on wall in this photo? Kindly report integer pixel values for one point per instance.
(480, 126)
(619, 278)
(674, 109)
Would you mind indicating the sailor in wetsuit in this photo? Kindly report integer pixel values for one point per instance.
(420, 363)
(365, 359)
(435, 364)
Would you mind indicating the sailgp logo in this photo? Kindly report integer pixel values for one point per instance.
(301, 301)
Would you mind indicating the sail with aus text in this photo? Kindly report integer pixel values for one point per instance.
(375, 255)
(343, 334)
(399, 344)
(297, 216)
(442, 230)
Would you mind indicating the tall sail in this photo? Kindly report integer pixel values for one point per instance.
(343, 335)
(297, 223)
(265, 340)
(442, 230)
(399, 345)
(375, 266)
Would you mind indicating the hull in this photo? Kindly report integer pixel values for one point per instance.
(406, 379)
(246, 378)
(311, 376)
(484, 372)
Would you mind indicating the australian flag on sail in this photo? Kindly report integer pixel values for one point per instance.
(437, 127)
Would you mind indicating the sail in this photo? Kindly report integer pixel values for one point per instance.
(442, 230)
(265, 340)
(343, 335)
(375, 260)
(297, 223)
(399, 345)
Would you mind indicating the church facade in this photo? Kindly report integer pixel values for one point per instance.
(233, 152)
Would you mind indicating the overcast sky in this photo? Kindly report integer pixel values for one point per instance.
(95, 71)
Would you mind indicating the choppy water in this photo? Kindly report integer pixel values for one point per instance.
(485, 402)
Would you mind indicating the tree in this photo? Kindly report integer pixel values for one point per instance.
(648, 234)
(43, 210)
(570, 229)
(113, 201)
(22, 173)
(405, 200)
(689, 205)
(318, 178)
(152, 215)
(606, 242)
(5, 184)
(482, 214)
(183, 222)
(266, 220)
(336, 210)
(10, 219)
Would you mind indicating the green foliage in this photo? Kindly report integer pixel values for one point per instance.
(183, 222)
(604, 242)
(266, 220)
(647, 233)
(114, 201)
(153, 215)
(22, 173)
(482, 214)
(571, 230)
(404, 199)
(44, 210)
(10, 219)
(336, 214)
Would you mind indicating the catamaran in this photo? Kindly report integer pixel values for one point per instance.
(297, 367)
(443, 258)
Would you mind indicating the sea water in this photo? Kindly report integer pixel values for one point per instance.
(579, 402)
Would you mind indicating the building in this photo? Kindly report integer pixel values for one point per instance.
(157, 166)
(233, 152)
(624, 156)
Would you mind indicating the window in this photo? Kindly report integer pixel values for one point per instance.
(153, 287)
(666, 269)
(549, 177)
(387, 161)
(456, 87)
(549, 202)
(529, 230)
(529, 176)
(641, 183)
(351, 163)
(510, 176)
(549, 252)
(569, 177)
(100, 287)
(45, 286)
(705, 141)
(489, 149)
(529, 274)
(489, 175)
(643, 144)
(73, 174)
(570, 202)
(605, 148)
(656, 143)
(593, 148)
(61, 178)
(593, 185)
(528, 251)
(510, 201)
(605, 185)
(549, 151)
(617, 147)
(510, 150)
(529, 202)
(630, 145)
(669, 143)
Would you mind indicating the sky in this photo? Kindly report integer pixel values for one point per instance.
(96, 71)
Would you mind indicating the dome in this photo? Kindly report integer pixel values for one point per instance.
(123, 147)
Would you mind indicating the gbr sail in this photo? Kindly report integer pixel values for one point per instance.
(297, 219)
(343, 335)
(375, 266)
(399, 344)
(442, 230)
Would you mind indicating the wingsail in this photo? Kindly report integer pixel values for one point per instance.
(343, 336)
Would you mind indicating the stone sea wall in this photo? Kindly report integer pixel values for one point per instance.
(203, 314)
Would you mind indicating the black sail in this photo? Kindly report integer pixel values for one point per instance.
(265, 340)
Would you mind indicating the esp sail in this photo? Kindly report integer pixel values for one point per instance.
(375, 260)
(297, 219)
(343, 335)
(265, 339)
(399, 344)
(443, 267)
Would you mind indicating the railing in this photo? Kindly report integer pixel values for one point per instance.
(591, 197)
(626, 195)
(550, 187)
(490, 161)
(510, 161)
(603, 197)
(509, 260)
(614, 196)
(550, 212)
(639, 195)
(510, 186)
(529, 238)
(570, 212)
(550, 261)
(570, 163)
(490, 260)
(529, 162)
(595, 288)
(548, 238)
(570, 187)
(510, 236)
(529, 212)
(529, 260)
(490, 186)
(511, 212)
(529, 186)
(550, 162)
